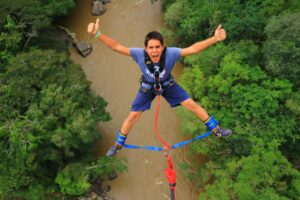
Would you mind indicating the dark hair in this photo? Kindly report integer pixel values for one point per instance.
(153, 35)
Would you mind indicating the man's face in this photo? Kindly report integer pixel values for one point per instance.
(154, 50)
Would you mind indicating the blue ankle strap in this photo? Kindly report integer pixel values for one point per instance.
(211, 123)
(121, 138)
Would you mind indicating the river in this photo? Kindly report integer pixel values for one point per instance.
(115, 78)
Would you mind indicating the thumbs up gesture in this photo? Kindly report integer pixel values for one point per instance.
(93, 28)
(220, 33)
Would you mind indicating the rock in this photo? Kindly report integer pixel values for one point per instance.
(98, 190)
(98, 8)
(82, 198)
(93, 196)
(105, 1)
(112, 175)
(98, 181)
(83, 48)
(107, 198)
(107, 188)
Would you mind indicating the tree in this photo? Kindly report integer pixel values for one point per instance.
(48, 116)
(33, 15)
(243, 20)
(282, 50)
(37, 14)
(248, 101)
(9, 42)
(265, 174)
(74, 179)
(261, 158)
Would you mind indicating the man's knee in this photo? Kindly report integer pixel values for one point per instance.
(134, 116)
(190, 105)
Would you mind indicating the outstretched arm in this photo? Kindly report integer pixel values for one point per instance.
(219, 35)
(93, 29)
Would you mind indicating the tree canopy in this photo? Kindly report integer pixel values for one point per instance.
(249, 83)
(48, 111)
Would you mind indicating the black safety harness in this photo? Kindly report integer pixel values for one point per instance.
(157, 85)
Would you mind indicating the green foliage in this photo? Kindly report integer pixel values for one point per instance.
(193, 81)
(59, 7)
(248, 101)
(32, 17)
(209, 60)
(34, 14)
(246, 20)
(229, 80)
(262, 100)
(35, 192)
(48, 116)
(265, 174)
(282, 49)
(51, 38)
(197, 19)
(174, 14)
(294, 103)
(48, 112)
(106, 165)
(73, 179)
(9, 42)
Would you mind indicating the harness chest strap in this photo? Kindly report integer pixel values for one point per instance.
(156, 70)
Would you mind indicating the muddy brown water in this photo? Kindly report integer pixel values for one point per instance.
(115, 78)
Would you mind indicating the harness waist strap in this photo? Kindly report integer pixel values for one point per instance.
(149, 85)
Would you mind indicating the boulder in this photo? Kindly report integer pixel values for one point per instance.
(112, 175)
(105, 1)
(83, 48)
(98, 8)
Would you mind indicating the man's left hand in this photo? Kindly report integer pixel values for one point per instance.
(220, 33)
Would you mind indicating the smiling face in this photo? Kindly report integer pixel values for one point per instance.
(154, 49)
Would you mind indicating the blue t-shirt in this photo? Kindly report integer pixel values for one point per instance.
(172, 55)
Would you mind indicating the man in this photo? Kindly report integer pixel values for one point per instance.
(156, 63)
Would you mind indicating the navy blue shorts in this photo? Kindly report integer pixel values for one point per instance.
(174, 95)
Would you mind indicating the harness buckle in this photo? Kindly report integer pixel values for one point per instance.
(166, 150)
(157, 85)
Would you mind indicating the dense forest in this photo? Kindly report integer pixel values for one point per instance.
(48, 112)
(251, 83)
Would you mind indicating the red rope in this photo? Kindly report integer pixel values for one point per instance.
(167, 146)
(170, 173)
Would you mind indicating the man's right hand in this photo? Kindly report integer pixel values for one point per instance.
(93, 28)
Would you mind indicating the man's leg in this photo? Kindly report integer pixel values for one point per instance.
(192, 106)
(209, 121)
(132, 118)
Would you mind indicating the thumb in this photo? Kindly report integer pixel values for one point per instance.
(97, 24)
(219, 27)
